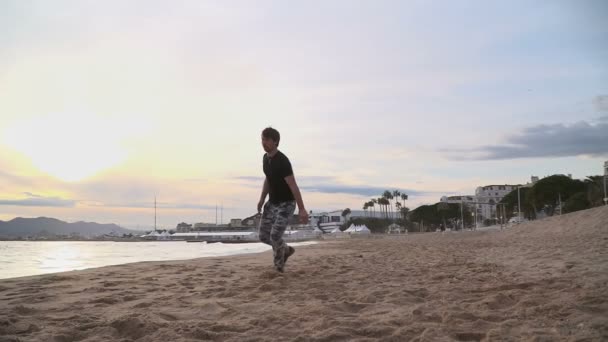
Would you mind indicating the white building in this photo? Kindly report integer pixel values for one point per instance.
(330, 220)
(488, 196)
(468, 200)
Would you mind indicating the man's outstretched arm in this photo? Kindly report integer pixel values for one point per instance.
(295, 190)
(265, 190)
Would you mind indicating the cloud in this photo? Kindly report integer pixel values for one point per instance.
(40, 201)
(149, 205)
(250, 179)
(331, 185)
(542, 141)
(600, 103)
(359, 190)
(12, 178)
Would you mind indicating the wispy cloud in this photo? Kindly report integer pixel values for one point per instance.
(332, 185)
(543, 141)
(39, 201)
(355, 190)
(250, 179)
(148, 205)
(601, 104)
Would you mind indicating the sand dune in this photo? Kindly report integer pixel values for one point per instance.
(540, 281)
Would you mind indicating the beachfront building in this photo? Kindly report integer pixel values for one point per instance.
(468, 200)
(487, 197)
(183, 227)
(336, 216)
(330, 220)
(251, 221)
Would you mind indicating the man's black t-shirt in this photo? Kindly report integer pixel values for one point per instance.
(276, 169)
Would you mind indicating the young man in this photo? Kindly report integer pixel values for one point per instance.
(284, 194)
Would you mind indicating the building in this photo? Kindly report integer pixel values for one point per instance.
(486, 198)
(236, 222)
(327, 217)
(183, 227)
(251, 221)
(468, 200)
(329, 220)
(203, 226)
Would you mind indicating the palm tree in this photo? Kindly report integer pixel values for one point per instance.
(388, 196)
(385, 204)
(404, 212)
(390, 204)
(397, 208)
(373, 203)
(404, 198)
(443, 207)
(396, 195)
(365, 206)
(345, 213)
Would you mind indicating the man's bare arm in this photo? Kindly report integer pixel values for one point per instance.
(265, 190)
(295, 190)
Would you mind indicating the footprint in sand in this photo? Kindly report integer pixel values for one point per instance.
(129, 298)
(24, 310)
(469, 336)
(143, 305)
(500, 301)
(105, 300)
(131, 327)
(167, 316)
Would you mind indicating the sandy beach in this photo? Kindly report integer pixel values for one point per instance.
(540, 281)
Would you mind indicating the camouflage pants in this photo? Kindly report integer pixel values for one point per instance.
(273, 224)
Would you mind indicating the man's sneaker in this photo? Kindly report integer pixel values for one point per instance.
(289, 252)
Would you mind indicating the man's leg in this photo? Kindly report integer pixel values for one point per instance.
(284, 211)
(267, 220)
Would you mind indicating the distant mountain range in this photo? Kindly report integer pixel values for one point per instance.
(45, 226)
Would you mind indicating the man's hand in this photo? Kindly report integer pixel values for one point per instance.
(303, 217)
(260, 205)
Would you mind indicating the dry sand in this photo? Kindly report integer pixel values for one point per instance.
(541, 281)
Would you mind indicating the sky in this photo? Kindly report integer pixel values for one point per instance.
(106, 104)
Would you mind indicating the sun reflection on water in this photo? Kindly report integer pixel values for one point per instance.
(62, 257)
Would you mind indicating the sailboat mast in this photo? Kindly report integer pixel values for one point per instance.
(154, 213)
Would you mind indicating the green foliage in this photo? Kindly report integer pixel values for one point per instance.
(545, 193)
(595, 190)
(510, 202)
(577, 202)
(404, 211)
(426, 213)
(547, 190)
(433, 215)
(346, 212)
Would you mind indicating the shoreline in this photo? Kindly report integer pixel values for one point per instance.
(224, 254)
